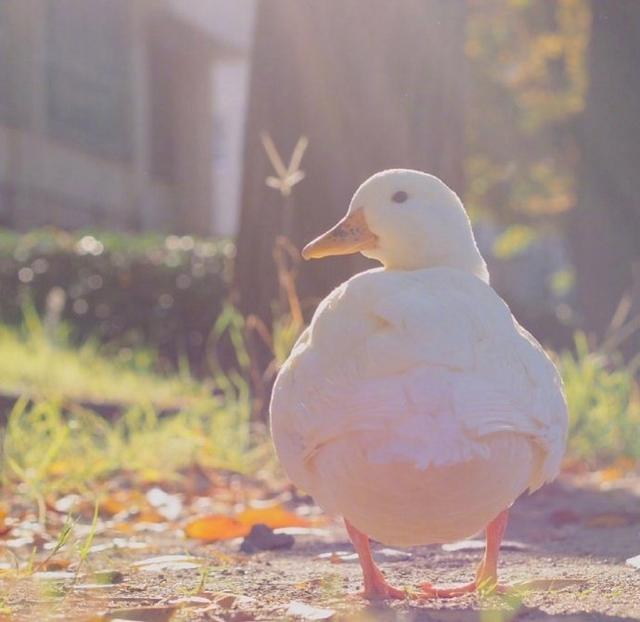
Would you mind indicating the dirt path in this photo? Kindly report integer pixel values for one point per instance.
(572, 532)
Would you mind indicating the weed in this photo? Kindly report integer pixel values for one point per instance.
(604, 404)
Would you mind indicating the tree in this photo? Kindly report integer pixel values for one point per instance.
(606, 223)
(373, 84)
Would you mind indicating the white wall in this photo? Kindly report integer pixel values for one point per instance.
(229, 21)
(231, 86)
(231, 24)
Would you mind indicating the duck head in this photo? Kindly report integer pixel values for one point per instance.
(407, 220)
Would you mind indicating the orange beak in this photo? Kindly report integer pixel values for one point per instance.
(350, 235)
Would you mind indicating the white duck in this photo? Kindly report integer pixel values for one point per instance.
(414, 405)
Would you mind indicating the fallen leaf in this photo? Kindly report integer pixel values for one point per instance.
(608, 520)
(65, 504)
(297, 609)
(82, 587)
(619, 469)
(169, 562)
(101, 548)
(4, 528)
(190, 601)
(339, 557)
(634, 562)
(274, 516)
(215, 527)
(125, 543)
(379, 555)
(479, 545)
(54, 565)
(228, 600)
(140, 614)
(169, 506)
(391, 555)
(116, 503)
(55, 575)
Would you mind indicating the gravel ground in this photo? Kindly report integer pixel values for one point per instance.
(573, 538)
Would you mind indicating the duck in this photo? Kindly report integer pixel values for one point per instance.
(414, 405)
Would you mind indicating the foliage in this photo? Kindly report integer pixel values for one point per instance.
(528, 69)
(55, 440)
(604, 405)
(49, 450)
(38, 360)
(127, 290)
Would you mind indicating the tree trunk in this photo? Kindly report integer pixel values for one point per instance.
(606, 223)
(373, 84)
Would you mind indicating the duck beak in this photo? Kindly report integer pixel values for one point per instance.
(350, 235)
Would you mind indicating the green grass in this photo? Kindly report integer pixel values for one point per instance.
(47, 450)
(40, 363)
(53, 443)
(604, 405)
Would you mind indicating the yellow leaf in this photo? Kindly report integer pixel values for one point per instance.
(513, 241)
(275, 517)
(621, 467)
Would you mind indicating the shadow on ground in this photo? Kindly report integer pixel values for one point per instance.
(382, 613)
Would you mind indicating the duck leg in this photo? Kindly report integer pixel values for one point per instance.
(487, 573)
(375, 584)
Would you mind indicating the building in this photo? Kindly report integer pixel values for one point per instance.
(123, 114)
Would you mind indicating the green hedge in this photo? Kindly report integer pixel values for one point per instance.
(164, 293)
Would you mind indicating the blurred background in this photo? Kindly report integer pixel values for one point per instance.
(162, 161)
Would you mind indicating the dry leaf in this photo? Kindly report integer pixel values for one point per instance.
(54, 575)
(140, 614)
(634, 562)
(4, 528)
(215, 527)
(479, 545)
(53, 565)
(149, 515)
(275, 517)
(190, 601)
(119, 502)
(169, 562)
(228, 600)
(619, 469)
(307, 612)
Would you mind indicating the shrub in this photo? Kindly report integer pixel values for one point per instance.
(604, 405)
(126, 290)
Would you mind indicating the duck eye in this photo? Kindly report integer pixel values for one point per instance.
(400, 197)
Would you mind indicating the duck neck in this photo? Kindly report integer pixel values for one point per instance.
(467, 260)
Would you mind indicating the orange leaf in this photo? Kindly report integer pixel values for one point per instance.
(275, 517)
(215, 527)
(4, 528)
(149, 516)
(621, 467)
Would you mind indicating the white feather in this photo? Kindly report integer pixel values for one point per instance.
(417, 407)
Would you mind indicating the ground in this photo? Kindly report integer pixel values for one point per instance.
(572, 537)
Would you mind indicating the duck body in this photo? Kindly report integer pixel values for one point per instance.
(415, 406)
